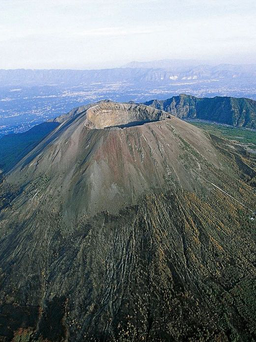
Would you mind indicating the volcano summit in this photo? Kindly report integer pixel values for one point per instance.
(127, 224)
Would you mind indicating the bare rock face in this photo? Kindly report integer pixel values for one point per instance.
(126, 224)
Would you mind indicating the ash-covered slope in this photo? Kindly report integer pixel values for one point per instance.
(124, 224)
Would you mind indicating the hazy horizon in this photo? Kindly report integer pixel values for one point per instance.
(120, 65)
(96, 34)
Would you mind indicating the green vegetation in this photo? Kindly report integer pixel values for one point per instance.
(243, 136)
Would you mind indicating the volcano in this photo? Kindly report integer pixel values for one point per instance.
(127, 224)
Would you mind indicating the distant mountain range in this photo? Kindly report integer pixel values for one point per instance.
(226, 110)
(164, 72)
(166, 64)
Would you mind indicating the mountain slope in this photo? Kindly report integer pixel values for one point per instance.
(232, 111)
(120, 226)
(227, 110)
(15, 146)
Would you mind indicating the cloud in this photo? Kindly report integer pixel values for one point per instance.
(117, 31)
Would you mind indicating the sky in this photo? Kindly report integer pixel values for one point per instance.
(81, 34)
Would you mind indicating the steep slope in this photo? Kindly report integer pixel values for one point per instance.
(14, 147)
(232, 111)
(126, 224)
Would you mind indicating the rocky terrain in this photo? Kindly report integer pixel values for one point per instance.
(238, 112)
(127, 224)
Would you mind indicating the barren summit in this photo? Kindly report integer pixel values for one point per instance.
(128, 224)
(95, 165)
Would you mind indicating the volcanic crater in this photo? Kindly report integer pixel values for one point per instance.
(107, 114)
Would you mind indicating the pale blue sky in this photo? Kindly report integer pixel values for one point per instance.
(96, 33)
